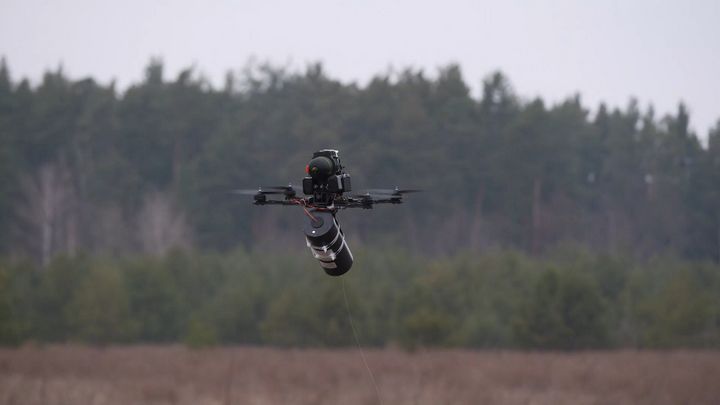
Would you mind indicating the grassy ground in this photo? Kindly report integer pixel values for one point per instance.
(176, 375)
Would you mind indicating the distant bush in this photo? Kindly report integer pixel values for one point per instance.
(200, 334)
(564, 312)
(9, 333)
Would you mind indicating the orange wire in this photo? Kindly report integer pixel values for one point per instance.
(309, 214)
(303, 204)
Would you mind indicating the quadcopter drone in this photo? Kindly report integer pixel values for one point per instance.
(325, 186)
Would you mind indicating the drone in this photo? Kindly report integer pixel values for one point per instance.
(325, 188)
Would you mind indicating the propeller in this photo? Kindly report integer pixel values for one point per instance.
(368, 196)
(289, 191)
(393, 192)
(248, 191)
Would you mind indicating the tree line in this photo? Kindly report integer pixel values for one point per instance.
(571, 299)
(85, 167)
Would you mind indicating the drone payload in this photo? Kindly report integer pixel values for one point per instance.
(325, 186)
(327, 243)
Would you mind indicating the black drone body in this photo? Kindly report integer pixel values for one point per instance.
(325, 188)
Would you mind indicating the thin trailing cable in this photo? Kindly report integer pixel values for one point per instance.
(357, 342)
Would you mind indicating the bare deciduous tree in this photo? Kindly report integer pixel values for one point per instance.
(47, 212)
(161, 225)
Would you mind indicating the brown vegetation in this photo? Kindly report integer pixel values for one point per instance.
(176, 375)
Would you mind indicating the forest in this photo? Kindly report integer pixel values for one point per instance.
(552, 226)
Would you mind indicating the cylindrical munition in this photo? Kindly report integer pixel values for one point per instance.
(327, 243)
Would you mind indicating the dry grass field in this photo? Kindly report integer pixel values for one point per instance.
(176, 375)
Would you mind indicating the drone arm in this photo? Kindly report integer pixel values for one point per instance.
(275, 202)
(368, 202)
(394, 200)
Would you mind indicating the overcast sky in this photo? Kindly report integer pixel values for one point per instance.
(661, 52)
